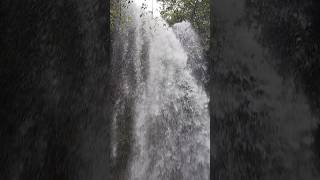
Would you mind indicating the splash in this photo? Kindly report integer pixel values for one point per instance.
(171, 120)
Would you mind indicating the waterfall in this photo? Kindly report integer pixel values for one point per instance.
(171, 135)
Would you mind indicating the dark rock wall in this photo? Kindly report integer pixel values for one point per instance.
(263, 90)
(54, 89)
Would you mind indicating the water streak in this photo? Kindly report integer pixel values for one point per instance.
(171, 119)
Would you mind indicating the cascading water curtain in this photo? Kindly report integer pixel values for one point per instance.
(169, 121)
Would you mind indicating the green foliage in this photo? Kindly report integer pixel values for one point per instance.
(194, 11)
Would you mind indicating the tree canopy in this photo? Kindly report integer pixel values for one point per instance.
(194, 11)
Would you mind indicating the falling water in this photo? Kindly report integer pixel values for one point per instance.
(170, 113)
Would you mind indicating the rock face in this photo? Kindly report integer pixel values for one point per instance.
(262, 116)
(54, 89)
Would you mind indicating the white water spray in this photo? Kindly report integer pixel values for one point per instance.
(172, 126)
